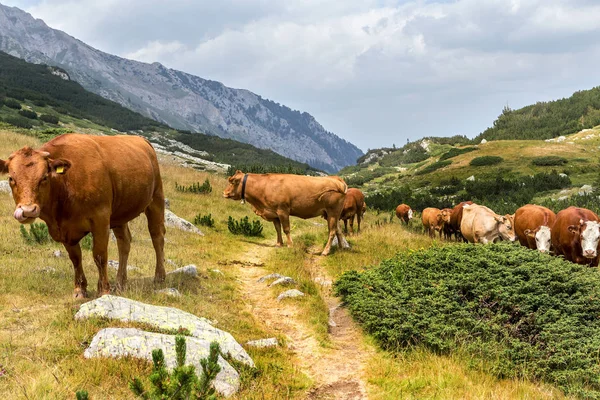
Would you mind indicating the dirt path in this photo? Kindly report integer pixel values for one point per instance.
(338, 370)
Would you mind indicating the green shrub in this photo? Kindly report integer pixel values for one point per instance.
(82, 395)
(28, 114)
(87, 242)
(195, 188)
(244, 227)
(12, 103)
(49, 118)
(38, 234)
(549, 161)
(61, 110)
(204, 220)
(18, 121)
(433, 167)
(519, 313)
(40, 103)
(453, 152)
(182, 383)
(486, 160)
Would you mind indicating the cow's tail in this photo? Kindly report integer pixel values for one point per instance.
(340, 187)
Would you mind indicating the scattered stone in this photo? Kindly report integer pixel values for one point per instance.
(5, 187)
(331, 321)
(561, 139)
(288, 294)
(345, 244)
(115, 265)
(323, 281)
(217, 271)
(165, 318)
(263, 343)
(168, 261)
(167, 204)
(187, 270)
(483, 141)
(269, 277)
(471, 178)
(169, 292)
(47, 270)
(131, 342)
(563, 175)
(562, 198)
(585, 189)
(285, 280)
(173, 221)
(57, 253)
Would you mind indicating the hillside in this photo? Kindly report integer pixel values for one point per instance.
(176, 98)
(48, 91)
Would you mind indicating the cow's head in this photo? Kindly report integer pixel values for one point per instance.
(589, 234)
(363, 210)
(506, 228)
(234, 188)
(30, 174)
(410, 214)
(446, 214)
(542, 237)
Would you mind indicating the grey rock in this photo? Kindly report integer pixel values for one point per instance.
(191, 270)
(269, 277)
(290, 294)
(217, 271)
(585, 189)
(167, 204)
(115, 265)
(173, 221)
(483, 141)
(5, 187)
(57, 253)
(131, 342)
(471, 178)
(285, 280)
(263, 343)
(561, 198)
(169, 292)
(165, 318)
(562, 175)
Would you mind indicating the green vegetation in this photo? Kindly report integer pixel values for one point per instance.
(591, 201)
(267, 169)
(87, 242)
(38, 233)
(389, 199)
(51, 119)
(28, 114)
(549, 161)
(12, 103)
(433, 167)
(456, 151)
(486, 160)
(195, 187)
(204, 220)
(366, 175)
(545, 120)
(18, 121)
(245, 227)
(82, 395)
(518, 313)
(182, 383)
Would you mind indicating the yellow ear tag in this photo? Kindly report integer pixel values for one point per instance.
(60, 170)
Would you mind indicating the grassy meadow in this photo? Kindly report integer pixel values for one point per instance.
(41, 346)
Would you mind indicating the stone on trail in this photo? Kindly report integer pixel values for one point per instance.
(165, 318)
(124, 342)
(173, 221)
(5, 187)
(290, 294)
(263, 343)
(269, 277)
(187, 270)
(169, 292)
(284, 280)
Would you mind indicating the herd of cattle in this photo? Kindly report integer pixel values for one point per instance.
(79, 184)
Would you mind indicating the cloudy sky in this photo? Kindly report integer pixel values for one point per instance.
(375, 72)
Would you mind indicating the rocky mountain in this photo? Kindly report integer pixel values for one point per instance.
(181, 100)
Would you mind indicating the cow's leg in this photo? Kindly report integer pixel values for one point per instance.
(346, 226)
(352, 225)
(155, 213)
(101, 235)
(358, 218)
(332, 224)
(285, 224)
(277, 224)
(123, 235)
(80, 290)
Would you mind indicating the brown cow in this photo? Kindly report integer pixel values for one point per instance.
(532, 226)
(81, 183)
(575, 235)
(456, 218)
(432, 220)
(481, 225)
(404, 213)
(446, 227)
(354, 206)
(276, 197)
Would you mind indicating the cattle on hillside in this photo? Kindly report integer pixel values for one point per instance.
(432, 221)
(354, 206)
(404, 213)
(575, 235)
(276, 197)
(532, 226)
(446, 226)
(79, 184)
(456, 218)
(481, 225)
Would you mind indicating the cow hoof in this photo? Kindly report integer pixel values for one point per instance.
(325, 253)
(279, 245)
(79, 294)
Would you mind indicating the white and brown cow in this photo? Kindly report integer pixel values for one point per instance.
(575, 235)
(479, 224)
(533, 226)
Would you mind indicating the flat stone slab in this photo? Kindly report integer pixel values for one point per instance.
(165, 318)
(269, 277)
(173, 221)
(263, 343)
(123, 342)
(191, 270)
(290, 294)
(284, 280)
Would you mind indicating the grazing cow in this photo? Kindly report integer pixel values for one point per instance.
(532, 227)
(456, 218)
(81, 183)
(481, 225)
(354, 206)
(276, 197)
(446, 227)
(432, 221)
(575, 235)
(404, 213)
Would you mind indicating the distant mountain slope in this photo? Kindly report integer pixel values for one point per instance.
(545, 120)
(181, 100)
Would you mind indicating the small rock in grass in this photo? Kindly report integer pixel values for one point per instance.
(5, 187)
(173, 221)
(269, 277)
(263, 343)
(285, 280)
(290, 294)
(187, 270)
(57, 253)
(115, 265)
(217, 271)
(47, 269)
(169, 292)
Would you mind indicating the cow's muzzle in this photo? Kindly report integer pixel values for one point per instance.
(27, 214)
(589, 254)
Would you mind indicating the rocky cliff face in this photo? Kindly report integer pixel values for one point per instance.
(179, 99)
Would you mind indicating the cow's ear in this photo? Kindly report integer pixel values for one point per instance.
(573, 228)
(529, 233)
(3, 167)
(59, 166)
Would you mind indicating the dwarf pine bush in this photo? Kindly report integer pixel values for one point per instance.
(197, 188)
(245, 227)
(520, 313)
(37, 234)
(204, 220)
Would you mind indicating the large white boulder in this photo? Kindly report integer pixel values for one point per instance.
(173, 221)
